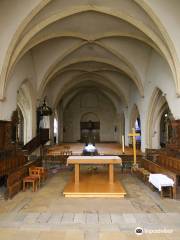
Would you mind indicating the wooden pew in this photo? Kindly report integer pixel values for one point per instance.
(58, 158)
(153, 167)
(169, 162)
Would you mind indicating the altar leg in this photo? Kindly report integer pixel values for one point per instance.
(76, 172)
(111, 173)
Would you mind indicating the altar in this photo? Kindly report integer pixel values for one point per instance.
(89, 184)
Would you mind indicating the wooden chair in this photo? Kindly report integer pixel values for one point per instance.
(33, 172)
(32, 180)
(43, 172)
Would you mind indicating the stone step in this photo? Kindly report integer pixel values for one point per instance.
(124, 221)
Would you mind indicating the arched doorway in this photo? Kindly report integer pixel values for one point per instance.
(90, 128)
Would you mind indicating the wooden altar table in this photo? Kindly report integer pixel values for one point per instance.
(98, 184)
(109, 160)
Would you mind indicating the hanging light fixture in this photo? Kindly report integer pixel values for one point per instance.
(44, 110)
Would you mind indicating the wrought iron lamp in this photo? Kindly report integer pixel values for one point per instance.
(44, 109)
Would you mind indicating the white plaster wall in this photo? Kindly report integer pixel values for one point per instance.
(104, 110)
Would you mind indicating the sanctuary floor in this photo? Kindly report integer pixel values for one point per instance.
(103, 148)
(46, 214)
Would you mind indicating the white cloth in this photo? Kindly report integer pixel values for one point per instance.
(90, 148)
(160, 180)
(114, 158)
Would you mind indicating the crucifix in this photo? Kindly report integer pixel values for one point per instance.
(134, 135)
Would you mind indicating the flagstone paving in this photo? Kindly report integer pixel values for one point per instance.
(46, 214)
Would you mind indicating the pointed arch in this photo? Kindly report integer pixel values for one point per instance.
(26, 102)
(134, 115)
(158, 104)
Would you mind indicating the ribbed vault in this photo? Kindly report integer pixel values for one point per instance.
(61, 35)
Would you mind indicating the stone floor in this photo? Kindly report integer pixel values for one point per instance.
(46, 214)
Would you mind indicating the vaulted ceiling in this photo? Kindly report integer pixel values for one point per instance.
(89, 43)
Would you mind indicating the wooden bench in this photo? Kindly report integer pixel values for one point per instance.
(163, 183)
(169, 162)
(56, 158)
(153, 167)
(167, 192)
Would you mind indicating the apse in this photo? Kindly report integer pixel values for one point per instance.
(89, 106)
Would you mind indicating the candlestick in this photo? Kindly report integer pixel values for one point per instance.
(123, 143)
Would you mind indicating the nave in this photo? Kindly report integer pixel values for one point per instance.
(46, 213)
(89, 101)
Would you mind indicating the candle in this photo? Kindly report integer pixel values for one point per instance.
(123, 143)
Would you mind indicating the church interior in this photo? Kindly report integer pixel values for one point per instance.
(89, 119)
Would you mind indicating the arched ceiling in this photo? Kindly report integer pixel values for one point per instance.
(89, 40)
(90, 73)
(89, 87)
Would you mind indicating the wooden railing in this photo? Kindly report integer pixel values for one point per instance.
(39, 140)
